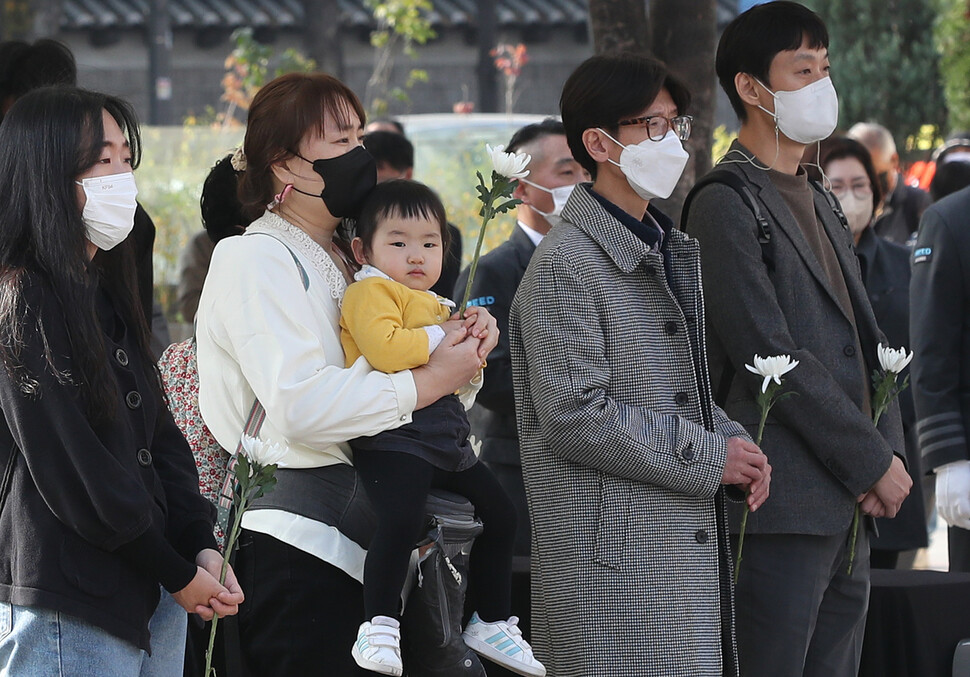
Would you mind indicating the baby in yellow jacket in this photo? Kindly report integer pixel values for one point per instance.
(390, 316)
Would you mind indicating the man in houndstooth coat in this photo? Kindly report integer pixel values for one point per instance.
(624, 453)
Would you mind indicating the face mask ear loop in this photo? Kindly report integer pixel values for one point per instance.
(611, 160)
(826, 183)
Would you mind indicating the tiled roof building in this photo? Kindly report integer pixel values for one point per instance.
(109, 39)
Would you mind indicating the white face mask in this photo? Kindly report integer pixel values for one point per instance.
(560, 195)
(109, 212)
(857, 212)
(652, 168)
(808, 114)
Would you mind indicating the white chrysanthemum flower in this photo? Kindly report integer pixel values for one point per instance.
(893, 360)
(509, 165)
(260, 452)
(772, 368)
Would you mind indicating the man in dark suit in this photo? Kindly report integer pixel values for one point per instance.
(902, 205)
(394, 156)
(499, 272)
(885, 273)
(941, 376)
(798, 291)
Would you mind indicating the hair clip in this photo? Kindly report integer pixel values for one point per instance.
(238, 160)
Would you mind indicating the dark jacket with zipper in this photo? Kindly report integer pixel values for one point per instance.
(93, 515)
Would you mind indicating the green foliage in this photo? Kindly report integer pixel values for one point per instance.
(404, 18)
(721, 143)
(953, 42)
(174, 165)
(884, 63)
(401, 24)
(247, 70)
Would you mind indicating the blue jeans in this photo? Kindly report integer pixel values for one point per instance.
(37, 642)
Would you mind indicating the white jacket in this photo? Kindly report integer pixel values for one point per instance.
(260, 334)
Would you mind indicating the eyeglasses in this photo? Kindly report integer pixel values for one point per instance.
(861, 191)
(658, 126)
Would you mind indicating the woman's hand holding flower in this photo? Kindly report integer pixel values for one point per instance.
(225, 603)
(196, 597)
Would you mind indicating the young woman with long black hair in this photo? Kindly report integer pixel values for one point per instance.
(99, 497)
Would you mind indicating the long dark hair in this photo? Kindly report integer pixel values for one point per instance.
(50, 137)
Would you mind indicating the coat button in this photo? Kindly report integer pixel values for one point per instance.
(133, 399)
(849, 351)
(681, 399)
(144, 458)
(701, 536)
(688, 452)
(670, 327)
(122, 357)
(650, 271)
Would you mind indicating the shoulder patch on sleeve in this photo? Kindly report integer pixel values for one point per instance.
(922, 254)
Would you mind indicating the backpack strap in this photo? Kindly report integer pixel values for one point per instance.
(257, 414)
(739, 186)
(833, 202)
(303, 274)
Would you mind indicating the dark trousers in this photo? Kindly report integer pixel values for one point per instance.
(397, 485)
(510, 477)
(799, 614)
(301, 614)
(958, 544)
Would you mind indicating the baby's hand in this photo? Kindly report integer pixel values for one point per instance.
(452, 325)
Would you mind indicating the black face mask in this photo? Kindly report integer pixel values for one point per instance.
(347, 179)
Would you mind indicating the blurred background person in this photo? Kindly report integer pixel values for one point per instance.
(221, 217)
(951, 167)
(394, 155)
(902, 205)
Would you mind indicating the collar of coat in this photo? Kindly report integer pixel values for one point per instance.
(367, 270)
(620, 244)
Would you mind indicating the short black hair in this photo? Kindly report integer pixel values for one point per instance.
(406, 199)
(607, 88)
(752, 40)
(949, 178)
(25, 67)
(389, 148)
(537, 130)
(393, 122)
(841, 148)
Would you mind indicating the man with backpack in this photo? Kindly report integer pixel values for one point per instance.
(781, 278)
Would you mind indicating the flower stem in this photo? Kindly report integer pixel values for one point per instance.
(478, 250)
(765, 408)
(852, 539)
(230, 544)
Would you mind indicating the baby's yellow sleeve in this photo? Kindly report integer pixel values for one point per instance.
(372, 318)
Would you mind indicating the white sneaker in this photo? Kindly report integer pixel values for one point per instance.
(502, 643)
(378, 646)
